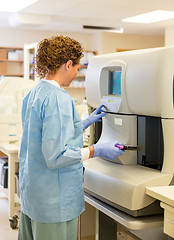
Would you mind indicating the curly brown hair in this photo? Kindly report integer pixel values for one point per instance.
(55, 51)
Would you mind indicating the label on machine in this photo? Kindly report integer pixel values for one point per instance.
(111, 103)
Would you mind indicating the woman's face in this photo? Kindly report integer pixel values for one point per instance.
(72, 73)
(75, 70)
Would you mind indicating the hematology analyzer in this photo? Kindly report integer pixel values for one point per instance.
(136, 88)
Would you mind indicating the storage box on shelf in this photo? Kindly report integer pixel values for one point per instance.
(11, 61)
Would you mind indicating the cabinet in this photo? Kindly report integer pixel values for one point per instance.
(79, 81)
(29, 62)
(11, 151)
(11, 61)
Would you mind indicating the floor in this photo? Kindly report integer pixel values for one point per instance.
(6, 233)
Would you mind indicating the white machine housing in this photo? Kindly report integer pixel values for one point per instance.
(12, 92)
(147, 89)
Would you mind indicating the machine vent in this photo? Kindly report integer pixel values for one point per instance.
(97, 27)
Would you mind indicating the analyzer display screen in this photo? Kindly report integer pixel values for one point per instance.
(115, 83)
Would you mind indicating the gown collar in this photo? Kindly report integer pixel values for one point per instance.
(53, 82)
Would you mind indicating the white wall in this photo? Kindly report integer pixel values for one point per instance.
(169, 36)
(113, 41)
(97, 42)
(100, 42)
(17, 38)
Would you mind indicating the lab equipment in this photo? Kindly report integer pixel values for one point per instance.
(136, 88)
(96, 115)
(12, 91)
(107, 150)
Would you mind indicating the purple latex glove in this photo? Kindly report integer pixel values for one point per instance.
(95, 116)
(107, 150)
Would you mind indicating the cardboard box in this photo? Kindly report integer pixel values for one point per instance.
(88, 223)
(14, 68)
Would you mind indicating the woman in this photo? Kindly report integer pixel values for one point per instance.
(51, 155)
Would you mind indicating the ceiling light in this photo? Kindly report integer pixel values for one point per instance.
(151, 17)
(14, 5)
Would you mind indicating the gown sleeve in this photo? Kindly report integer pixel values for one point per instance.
(60, 140)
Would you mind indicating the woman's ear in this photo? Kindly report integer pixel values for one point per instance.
(68, 64)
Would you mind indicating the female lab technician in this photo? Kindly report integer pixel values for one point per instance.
(51, 155)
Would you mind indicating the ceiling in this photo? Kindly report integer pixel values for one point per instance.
(71, 15)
